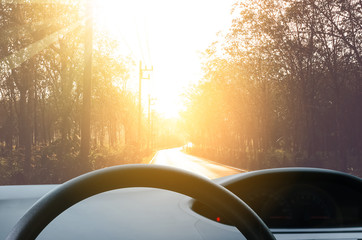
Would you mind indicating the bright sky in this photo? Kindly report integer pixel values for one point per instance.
(168, 34)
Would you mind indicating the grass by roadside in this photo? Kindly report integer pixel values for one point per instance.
(275, 158)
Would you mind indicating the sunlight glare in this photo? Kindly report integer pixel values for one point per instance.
(170, 35)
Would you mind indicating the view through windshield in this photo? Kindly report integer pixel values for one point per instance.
(245, 84)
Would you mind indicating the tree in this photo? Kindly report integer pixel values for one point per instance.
(42, 62)
(291, 74)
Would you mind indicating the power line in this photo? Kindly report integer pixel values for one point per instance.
(147, 41)
(139, 43)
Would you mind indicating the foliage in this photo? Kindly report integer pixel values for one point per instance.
(41, 92)
(287, 72)
(59, 162)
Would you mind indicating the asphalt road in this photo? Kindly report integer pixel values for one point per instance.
(176, 158)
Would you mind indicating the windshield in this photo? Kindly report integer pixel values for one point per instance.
(244, 84)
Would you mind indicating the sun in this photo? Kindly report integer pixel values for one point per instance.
(168, 105)
(168, 35)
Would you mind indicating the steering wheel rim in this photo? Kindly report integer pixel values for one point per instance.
(139, 175)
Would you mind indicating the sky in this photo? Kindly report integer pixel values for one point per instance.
(168, 35)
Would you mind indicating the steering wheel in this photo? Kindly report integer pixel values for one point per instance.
(139, 175)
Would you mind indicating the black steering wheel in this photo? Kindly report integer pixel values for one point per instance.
(139, 175)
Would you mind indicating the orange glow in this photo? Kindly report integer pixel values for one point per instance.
(176, 158)
(158, 33)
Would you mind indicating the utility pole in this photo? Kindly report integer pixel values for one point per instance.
(141, 71)
(86, 109)
(149, 135)
(149, 121)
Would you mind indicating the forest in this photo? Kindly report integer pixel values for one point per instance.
(282, 88)
(41, 91)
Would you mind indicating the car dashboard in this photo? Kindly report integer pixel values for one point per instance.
(295, 203)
